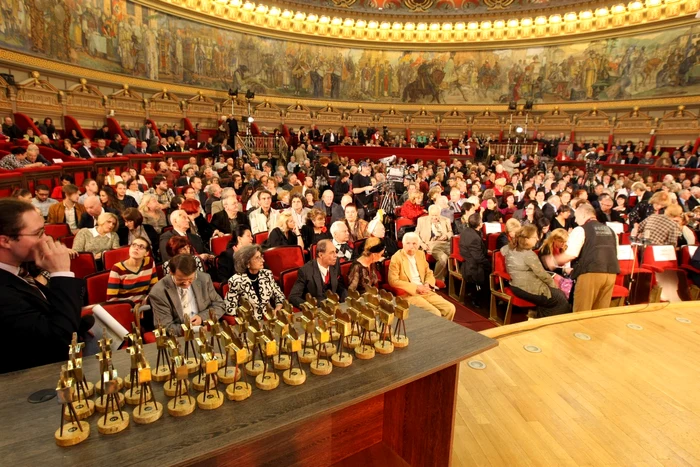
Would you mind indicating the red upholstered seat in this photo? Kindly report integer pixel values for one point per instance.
(281, 258)
(260, 237)
(218, 244)
(83, 265)
(687, 253)
(112, 257)
(122, 311)
(96, 285)
(652, 254)
(57, 231)
(288, 278)
(501, 291)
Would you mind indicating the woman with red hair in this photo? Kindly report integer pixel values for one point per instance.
(179, 245)
(198, 223)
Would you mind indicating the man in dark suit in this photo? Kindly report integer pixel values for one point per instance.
(116, 143)
(187, 178)
(147, 132)
(85, 150)
(181, 227)
(329, 207)
(130, 147)
(102, 133)
(606, 213)
(318, 276)
(232, 127)
(694, 200)
(38, 320)
(128, 132)
(11, 130)
(93, 209)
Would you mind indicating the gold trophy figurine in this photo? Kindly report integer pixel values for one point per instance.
(293, 376)
(83, 407)
(170, 387)
(162, 371)
(308, 321)
(343, 325)
(134, 339)
(280, 329)
(226, 374)
(75, 355)
(214, 334)
(372, 306)
(211, 398)
(400, 339)
(133, 395)
(76, 431)
(326, 314)
(239, 390)
(386, 317)
(188, 334)
(146, 413)
(254, 367)
(105, 359)
(114, 419)
(353, 339)
(182, 404)
(367, 322)
(321, 367)
(268, 379)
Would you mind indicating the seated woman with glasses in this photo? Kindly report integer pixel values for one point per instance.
(363, 272)
(529, 280)
(133, 278)
(179, 245)
(98, 239)
(253, 283)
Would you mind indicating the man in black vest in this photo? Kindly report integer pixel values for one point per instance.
(318, 276)
(592, 246)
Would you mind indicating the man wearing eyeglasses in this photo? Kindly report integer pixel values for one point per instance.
(39, 320)
(184, 295)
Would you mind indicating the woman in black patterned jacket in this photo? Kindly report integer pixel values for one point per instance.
(252, 283)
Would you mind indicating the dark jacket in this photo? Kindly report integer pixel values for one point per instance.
(309, 281)
(222, 223)
(123, 234)
(195, 241)
(38, 330)
(87, 221)
(476, 266)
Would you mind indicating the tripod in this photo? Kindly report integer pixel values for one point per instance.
(388, 203)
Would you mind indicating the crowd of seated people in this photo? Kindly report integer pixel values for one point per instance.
(550, 228)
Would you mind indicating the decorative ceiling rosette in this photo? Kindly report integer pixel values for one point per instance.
(418, 5)
(498, 4)
(344, 3)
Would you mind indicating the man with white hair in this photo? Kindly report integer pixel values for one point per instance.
(181, 226)
(330, 208)
(410, 272)
(551, 207)
(341, 235)
(694, 200)
(130, 147)
(435, 233)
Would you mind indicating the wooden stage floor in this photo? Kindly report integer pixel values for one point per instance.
(625, 397)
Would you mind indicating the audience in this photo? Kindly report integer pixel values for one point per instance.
(133, 278)
(69, 211)
(181, 227)
(315, 228)
(340, 236)
(318, 276)
(363, 272)
(42, 201)
(357, 228)
(98, 239)
(435, 233)
(285, 234)
(476, 267)
(241, 237)
(135, 228)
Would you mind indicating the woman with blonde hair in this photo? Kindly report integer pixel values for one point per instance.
(152, 212)
(363, 272)
(100, 238)
(555, 244)
(285, 234)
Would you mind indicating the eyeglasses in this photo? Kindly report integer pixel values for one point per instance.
(139, 246)
(38, 234)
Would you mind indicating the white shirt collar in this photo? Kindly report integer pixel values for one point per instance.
(323, 270)
(13, 269)
(95, 233)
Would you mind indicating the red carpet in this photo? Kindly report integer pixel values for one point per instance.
(469, 318)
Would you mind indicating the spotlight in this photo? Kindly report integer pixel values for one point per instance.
(251, 119)
(249, 94)
(232, 93)
(519, 129)
(528, 104)
(512, 106)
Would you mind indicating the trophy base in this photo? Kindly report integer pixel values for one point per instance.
(101, 402)
(321, 368)
(342, 361)
(133, 396)
(181, 406)
(238, 391)
(335, 335)
(198, 382)
(192, 365)
(148, 413)
(307, 355)
(98, 386)
(328, 349)
(371, 337)
(384, 347)
(127, 382)
(282, 362)
(72, 434)
(160, 374)
(229, 375)
(210, 400)
(399, 341)
(220, 359)
(89, 391)
(254, 368)
(351, 342)
(364, 352)
(114, 423)
(83, 410)
(170, 388)
(267, 381)
(294, 377)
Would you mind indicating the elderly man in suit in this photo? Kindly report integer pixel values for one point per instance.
(332, 209)
(130, 147)
(409, 271)
(435, 233)
(181, 226)
(319, 275)
(184, 295)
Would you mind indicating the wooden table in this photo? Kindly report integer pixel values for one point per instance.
(392, 410)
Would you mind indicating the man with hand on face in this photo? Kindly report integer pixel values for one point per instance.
(319, 276)
(184, 295)
(38, 320)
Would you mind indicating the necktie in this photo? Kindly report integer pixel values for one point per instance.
(24, 274)
(327, 280)
(185, 302)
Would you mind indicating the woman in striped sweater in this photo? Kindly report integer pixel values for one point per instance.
(133, 278)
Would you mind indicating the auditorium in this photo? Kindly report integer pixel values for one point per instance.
(350, 232)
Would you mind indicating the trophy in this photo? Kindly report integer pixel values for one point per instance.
(199, 382)
(343, 324)
(76, 431)
(211, 398)
(267, 380)
(255, 367)
(386, 317)
(244, 316)
(182, 404)
(73, 369)
(371, 305)
(170, 387)
(227, 375)
(146, 413)
(215, 333)
(280, 329)
(329, 305)
(114, 419)
(134, 395)
(308, 322)
(134, 338)
(162, 371)
(367, 323)
(399, 339)
(292, 344)
(321, 366)
(188, 334)
(239, 390)
(352, 340)
(105, 359)
(75, 355)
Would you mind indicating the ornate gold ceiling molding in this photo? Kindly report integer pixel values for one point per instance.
(371, 33)
(72, 72)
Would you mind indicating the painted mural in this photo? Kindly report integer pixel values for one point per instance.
(122, 37)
